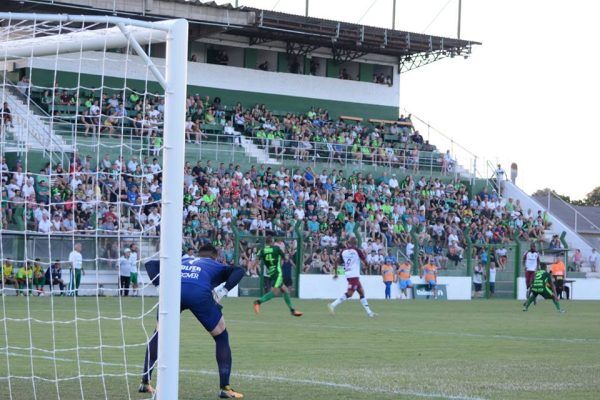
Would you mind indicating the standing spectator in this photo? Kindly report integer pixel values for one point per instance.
(559, 274)
(478, 274)
(125, 272)
(577, 259)
(500, 178)
(492, 279)
(75, 270)
(531, 260)
(387, 273)
(593, 260)
(514, 171)
(501, 257)
(6, 116)
(133, 263)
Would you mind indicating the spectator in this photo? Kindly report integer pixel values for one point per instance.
(54, 277)
(478, 277)
(593, 260)
(125, 272)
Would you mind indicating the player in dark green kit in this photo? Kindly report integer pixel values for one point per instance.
(272, 258)
(542, 285)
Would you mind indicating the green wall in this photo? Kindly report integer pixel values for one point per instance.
(277, 102)
(282, 62)
(365, 72)
(333, 69)
(250, 57)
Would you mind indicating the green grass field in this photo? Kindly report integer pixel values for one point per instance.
(424, 349)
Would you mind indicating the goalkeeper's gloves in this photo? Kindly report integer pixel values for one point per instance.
(220, 293)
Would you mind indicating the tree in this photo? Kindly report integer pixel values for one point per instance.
(544, 193)
(593, 198)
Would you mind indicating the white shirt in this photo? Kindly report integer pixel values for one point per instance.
(133, 258)
(45, 226)
(124, 266)
(393, 183)
(492, 275)
(410, 249)
(351, 257)
(531, 259)
(76, 259)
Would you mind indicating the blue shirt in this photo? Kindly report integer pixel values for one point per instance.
(204, 272)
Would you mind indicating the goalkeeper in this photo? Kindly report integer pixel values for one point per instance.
(199, 276)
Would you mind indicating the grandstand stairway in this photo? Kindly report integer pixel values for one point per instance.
(252, 150)
(30, 131)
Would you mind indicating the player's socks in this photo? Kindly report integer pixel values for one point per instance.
(288, 301)
(365, 305)
(339, 301)
(223, 354)
(556, 304)
(528, 302)
(150, 358)
(266, 297)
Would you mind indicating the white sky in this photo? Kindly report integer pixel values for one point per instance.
(528, 95)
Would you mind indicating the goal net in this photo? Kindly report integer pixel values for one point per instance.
(92, 114)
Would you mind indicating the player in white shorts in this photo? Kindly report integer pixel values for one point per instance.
(351, 257)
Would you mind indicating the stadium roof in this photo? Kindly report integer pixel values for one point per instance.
(301, 35)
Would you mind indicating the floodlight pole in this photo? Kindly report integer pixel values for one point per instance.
(306, 10)
(172, 214)
(394, 15)
(459, 18)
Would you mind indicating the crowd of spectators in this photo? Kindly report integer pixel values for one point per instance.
(392, 215)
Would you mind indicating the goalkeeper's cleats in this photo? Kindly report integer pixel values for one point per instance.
(256, 307)
(228, 393)
(297, 313)
(146, 388)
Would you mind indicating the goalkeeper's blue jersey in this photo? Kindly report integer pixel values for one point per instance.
(204, 272)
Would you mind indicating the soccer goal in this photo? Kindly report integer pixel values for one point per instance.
(92, 113)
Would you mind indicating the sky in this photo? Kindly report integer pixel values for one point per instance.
(527, 95)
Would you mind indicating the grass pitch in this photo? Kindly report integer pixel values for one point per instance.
(414, 349)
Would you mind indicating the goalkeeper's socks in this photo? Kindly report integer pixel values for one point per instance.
(223, 353)
(266, 297)
(150, 358)
(365, 305)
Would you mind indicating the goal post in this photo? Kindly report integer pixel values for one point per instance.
(27, 38)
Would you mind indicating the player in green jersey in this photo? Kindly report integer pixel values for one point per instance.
(542, 285)
(272, 258)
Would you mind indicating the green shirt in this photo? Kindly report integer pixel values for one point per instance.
(272, 257)
(541, 281)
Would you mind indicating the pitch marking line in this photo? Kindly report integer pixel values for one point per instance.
(437, 333)
(272, 378)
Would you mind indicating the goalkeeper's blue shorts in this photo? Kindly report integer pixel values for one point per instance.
(202, 304)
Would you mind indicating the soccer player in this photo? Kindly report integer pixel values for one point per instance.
(39, 278)
(8, 277)
(542, 285)
(531, 260)
(272, 257)
(133, 264)
(429, 275)
(25, 279)
(199, 276)
(387, 273)
(350, 258)
(404, 281)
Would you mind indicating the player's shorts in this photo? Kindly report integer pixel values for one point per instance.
(547, 294)
(276, 279)
(134, 278)
(202, 304)
(354, 283)
(404, 284)
(39, 281)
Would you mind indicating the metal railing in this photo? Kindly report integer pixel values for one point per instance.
(577, 216)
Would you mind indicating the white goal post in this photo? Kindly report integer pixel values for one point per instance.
(132, 34)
